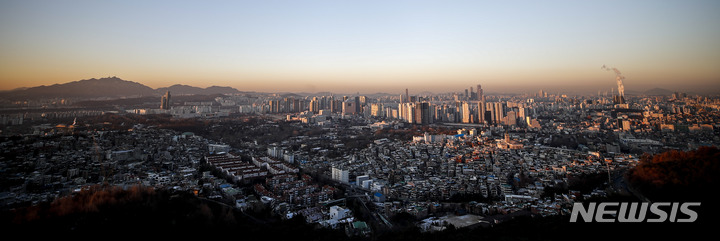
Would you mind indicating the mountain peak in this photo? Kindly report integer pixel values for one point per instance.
(108, 87)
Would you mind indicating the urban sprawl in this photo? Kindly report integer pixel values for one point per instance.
(473, 159)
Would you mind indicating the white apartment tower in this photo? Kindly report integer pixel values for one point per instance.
(340, 175)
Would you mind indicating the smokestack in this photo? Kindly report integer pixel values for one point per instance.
(619, 78)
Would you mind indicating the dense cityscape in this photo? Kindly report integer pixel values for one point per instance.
(356, 163)
(359, 120)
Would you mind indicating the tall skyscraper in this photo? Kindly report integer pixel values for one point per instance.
(458, 111)
(165, 101)
(288, 104)
(358, 107)
(275, 106)
(511, 118)
(314, 105)
(466, 113)
(490, 117)
(407, 96)
(349, 108)
(499, 112)
(422, 113)
(417, 114)
(408, 114)
(481, 105)
(296, 105)
(376, 109)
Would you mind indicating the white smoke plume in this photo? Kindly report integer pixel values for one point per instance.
(619, 78)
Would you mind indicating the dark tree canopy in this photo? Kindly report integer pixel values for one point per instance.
(678, 175)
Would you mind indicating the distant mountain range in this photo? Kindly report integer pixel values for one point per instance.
(107, 88)
(191, 90)
(114, 88)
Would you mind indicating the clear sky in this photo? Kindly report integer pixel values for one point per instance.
(363, 46)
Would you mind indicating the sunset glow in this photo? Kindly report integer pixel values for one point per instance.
(368, 46)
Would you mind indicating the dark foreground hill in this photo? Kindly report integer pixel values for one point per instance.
(146, 213)
(678, 175)
(142, 213)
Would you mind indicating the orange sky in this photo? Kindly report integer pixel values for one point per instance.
(373, 46)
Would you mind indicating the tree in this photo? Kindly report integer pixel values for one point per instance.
(677, 175)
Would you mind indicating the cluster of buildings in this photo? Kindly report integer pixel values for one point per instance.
(41, 167)
(188, 109)
(508, 157)
(471, 108)
(506, 153)
(473, 166)
(282, 181)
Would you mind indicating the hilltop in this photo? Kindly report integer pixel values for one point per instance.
(107, 88)
(110, 87)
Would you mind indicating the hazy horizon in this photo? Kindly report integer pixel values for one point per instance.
(367, 47)
(487, 89)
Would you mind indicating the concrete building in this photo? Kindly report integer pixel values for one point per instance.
(359, 179)
(340, 175)
(165, 101)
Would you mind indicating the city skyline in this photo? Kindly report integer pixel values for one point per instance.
(370, 47)
(372, 120)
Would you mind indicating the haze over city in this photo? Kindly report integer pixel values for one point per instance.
(360, 120)
(368, 46)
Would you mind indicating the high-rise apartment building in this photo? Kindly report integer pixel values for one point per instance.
(481, 105)
(409, 112)
(335, 105)
(295, 105)
(349, 108)
(466, 113)
(165, 101)
(522, 112)
(315, 105)
(358, 107)
(511, 118)
(422, 113)
(376, 109)
(340, 175)
(499, 113)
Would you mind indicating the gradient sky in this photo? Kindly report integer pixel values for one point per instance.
(363, 46)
